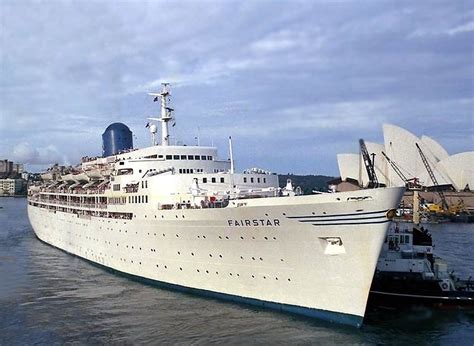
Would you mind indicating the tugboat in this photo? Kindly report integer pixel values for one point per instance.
(408, 273)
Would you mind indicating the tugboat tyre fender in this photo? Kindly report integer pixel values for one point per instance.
(444, 286)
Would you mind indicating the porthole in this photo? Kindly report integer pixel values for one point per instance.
(253, 276)
(242, 238)
(220, 256)
(264, 277)
(276, 279)
(289, 279)
(207, 271)
(253, 258)
(198, 270)
(261, 259)
(226, 237)
(210, 255)
(177, 236)
(180, 268)
(192, 253)
(179, 253)
(274, 238)
(166, 267)
(266, 238)
(230, 274)
(220, 237)
(217, 273)
(241, 257)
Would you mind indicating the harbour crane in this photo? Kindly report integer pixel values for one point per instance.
(369, 166)
(410, 183)
(444, 202)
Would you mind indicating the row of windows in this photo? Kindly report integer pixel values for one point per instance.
(180, 157)
(117, 200)
(187, 157)
(190, 170)
(138, 199)
(213, 180)
(253, 180)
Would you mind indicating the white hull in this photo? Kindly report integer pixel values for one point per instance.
(277, 250)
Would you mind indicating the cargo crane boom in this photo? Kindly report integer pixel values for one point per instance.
(402, 176)
(369, 165)
(433, 178)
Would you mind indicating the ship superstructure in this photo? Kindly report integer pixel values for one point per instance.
(182, 217)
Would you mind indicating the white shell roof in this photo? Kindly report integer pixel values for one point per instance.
(460, 169)
(436, 149)
(400, 146)
(349, 166)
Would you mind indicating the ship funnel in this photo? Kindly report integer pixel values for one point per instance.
(116, 138)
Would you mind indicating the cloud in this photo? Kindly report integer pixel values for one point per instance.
(468, 27)
(24, 152)
(333, 71)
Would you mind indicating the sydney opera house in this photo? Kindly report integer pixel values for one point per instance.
(455, 172)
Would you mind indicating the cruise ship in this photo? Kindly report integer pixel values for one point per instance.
(180, 217)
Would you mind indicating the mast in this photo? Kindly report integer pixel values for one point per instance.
(231, 154)
(165, 113)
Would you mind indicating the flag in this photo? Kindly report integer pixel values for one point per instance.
(147, 125)
(155, 99)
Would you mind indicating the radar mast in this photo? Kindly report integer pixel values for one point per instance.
(165, 113)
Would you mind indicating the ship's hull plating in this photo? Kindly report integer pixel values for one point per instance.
(309, 255)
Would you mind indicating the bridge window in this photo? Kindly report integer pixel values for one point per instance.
(169, 157)
(197, 157)
(209, 158)
(203, 157)
(222, 180)
(245, 179)
(213, 180)
(204, 180)
(251, 180)
(183, 157)
(176, 157)
(190, 157)
(258, 180)
(264, 180)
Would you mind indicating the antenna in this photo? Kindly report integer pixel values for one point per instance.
(231, 156)
(165, 112)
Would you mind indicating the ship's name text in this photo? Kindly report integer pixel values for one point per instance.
(253, 222)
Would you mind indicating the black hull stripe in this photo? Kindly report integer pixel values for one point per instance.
(337, 215)
(348, 219)
(349, 223)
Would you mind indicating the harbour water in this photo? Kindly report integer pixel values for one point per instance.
(48, 296)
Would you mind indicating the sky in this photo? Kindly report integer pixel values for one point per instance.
(293, 82)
